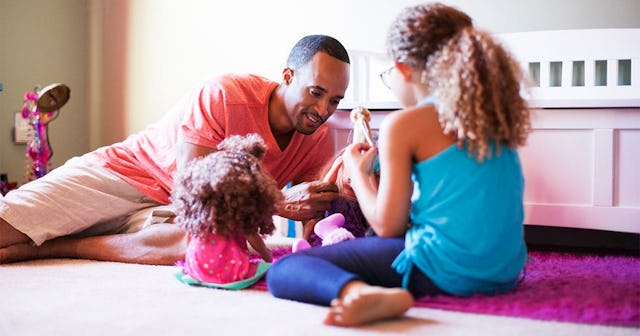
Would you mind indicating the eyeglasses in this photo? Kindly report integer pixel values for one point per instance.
(385, 76)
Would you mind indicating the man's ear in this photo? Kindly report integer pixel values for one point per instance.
(287, 75)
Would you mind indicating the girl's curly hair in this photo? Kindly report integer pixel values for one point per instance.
(228, 191)
(476, 82)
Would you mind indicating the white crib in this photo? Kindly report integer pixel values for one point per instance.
(582, 159)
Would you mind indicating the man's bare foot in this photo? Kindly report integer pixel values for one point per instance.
(368, 305)
(62, 247)
(18, 252)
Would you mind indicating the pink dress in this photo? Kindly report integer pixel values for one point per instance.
(218, 260)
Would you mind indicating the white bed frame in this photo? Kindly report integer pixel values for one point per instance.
(582, 159)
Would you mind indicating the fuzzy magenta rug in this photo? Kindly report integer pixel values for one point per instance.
(564, 287)
(567, 287)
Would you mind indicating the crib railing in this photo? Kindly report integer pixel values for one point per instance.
(566, 68)
(579, 68)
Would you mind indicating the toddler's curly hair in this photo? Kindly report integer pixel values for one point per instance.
(475, 81)
(227, 192)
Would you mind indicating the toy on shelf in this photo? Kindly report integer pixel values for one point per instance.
(40, 108)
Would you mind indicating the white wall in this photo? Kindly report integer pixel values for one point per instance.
(43, 42)
(175, 44)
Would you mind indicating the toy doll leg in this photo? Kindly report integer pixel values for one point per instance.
(331, 230)
(328, 224)
(299, 245)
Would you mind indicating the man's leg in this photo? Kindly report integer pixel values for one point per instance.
(75, 211)
(159, 244)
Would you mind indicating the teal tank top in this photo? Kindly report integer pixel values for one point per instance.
(466, 230)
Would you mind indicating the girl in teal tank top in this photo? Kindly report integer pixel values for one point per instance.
(448, 209)
(466, 222)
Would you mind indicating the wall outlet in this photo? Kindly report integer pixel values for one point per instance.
(22, 130)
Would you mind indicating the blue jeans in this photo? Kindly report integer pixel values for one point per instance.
(317, 275)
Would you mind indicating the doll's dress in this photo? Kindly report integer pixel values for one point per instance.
(220, 262)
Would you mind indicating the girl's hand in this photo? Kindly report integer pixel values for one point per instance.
(359, 160)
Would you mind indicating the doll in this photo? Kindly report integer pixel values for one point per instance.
(352, 223)
(223, 201)
(360, 117)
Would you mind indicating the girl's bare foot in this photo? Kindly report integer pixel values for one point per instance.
(367, 305)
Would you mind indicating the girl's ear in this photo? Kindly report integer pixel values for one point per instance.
(404, 70)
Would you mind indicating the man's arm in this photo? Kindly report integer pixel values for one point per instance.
(311, 195)
(187, 151)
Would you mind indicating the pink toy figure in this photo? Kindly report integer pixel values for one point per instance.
(40, 108)
(38, 149)
(330, 229)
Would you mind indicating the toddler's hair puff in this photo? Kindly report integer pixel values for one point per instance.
(227, 192)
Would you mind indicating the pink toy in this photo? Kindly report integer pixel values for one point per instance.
(40, 108)
(330, 229)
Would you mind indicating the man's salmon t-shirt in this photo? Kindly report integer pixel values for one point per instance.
(227, 105)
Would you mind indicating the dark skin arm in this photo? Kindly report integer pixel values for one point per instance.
(303, 201)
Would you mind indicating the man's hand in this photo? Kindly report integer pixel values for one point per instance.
(308, 200)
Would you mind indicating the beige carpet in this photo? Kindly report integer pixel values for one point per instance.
(82, 297)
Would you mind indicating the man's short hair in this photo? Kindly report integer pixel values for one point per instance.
(310, 45)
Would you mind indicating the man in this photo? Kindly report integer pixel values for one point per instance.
(100, 205)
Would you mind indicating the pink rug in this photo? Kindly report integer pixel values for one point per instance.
(567, 287)
(564, 287)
